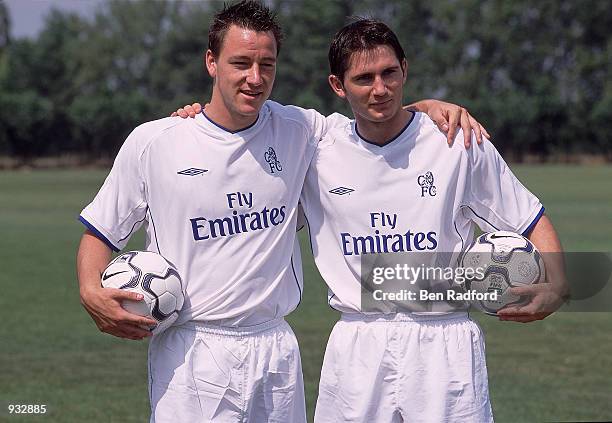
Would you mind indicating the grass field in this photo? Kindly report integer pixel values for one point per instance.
(559, 369)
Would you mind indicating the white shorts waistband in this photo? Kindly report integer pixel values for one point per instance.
(238, 331)
(404, 317)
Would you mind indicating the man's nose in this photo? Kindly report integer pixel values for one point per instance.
(254, 76)
(379, 87)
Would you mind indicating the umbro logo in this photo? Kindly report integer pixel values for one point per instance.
(192, 171)
(341, 190)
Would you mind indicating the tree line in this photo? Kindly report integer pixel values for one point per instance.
(537, 74)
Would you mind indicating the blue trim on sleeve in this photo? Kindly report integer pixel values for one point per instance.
(98, 234)
(533, 222)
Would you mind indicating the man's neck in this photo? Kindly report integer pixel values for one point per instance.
(219, 114)
(381, 133)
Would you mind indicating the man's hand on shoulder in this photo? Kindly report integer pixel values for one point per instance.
(188, 111)
(448, 117)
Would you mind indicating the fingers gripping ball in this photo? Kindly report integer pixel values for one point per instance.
(151, 275)
(505, 260)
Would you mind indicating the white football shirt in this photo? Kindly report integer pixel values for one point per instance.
(413, 194)
(221, 206)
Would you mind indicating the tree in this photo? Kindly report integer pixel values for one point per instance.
(140, 63)
(303, 68)
(537, 74)
(5, 27)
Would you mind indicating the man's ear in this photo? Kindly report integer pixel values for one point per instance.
(211, 63)
(405, 68)
(337, 86)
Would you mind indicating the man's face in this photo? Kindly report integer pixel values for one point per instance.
(373, 84)
(244, 70)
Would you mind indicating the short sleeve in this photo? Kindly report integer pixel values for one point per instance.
(336, 120)
(317, 124)
(496, 198)
(119, 208)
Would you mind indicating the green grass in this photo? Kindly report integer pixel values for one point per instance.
(51, 353)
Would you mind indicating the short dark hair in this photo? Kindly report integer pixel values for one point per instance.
(361, 35)
(246, 14)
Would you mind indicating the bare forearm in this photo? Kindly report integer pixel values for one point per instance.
(92, 258)
(104, 304)
(545, 238)
(448, 118)
(419, 106)
(544, 298)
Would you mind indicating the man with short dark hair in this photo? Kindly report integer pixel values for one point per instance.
(229, 227)
(364, 195)
(218, 196)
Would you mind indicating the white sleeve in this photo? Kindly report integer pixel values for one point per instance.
(336, 120)
(317, 124)
(496, 198)
(321, 124)
(120, 206)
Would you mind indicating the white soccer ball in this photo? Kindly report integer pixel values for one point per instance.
(506, 260)
(151, 275)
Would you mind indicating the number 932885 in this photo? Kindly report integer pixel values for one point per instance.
(27, 408)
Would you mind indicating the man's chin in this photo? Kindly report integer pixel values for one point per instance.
(250, 108)
(247, 112)
(381, 116)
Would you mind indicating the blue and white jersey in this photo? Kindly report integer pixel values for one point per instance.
(413, 194)
(219, 205)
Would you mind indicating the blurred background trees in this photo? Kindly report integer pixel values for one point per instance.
(537, 74)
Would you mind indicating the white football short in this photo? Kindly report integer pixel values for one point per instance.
(204, 373)
(404, 368)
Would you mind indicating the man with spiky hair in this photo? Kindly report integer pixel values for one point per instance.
(218, 195)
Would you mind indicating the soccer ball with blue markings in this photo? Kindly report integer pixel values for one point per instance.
(505, 259)
(151, 275)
